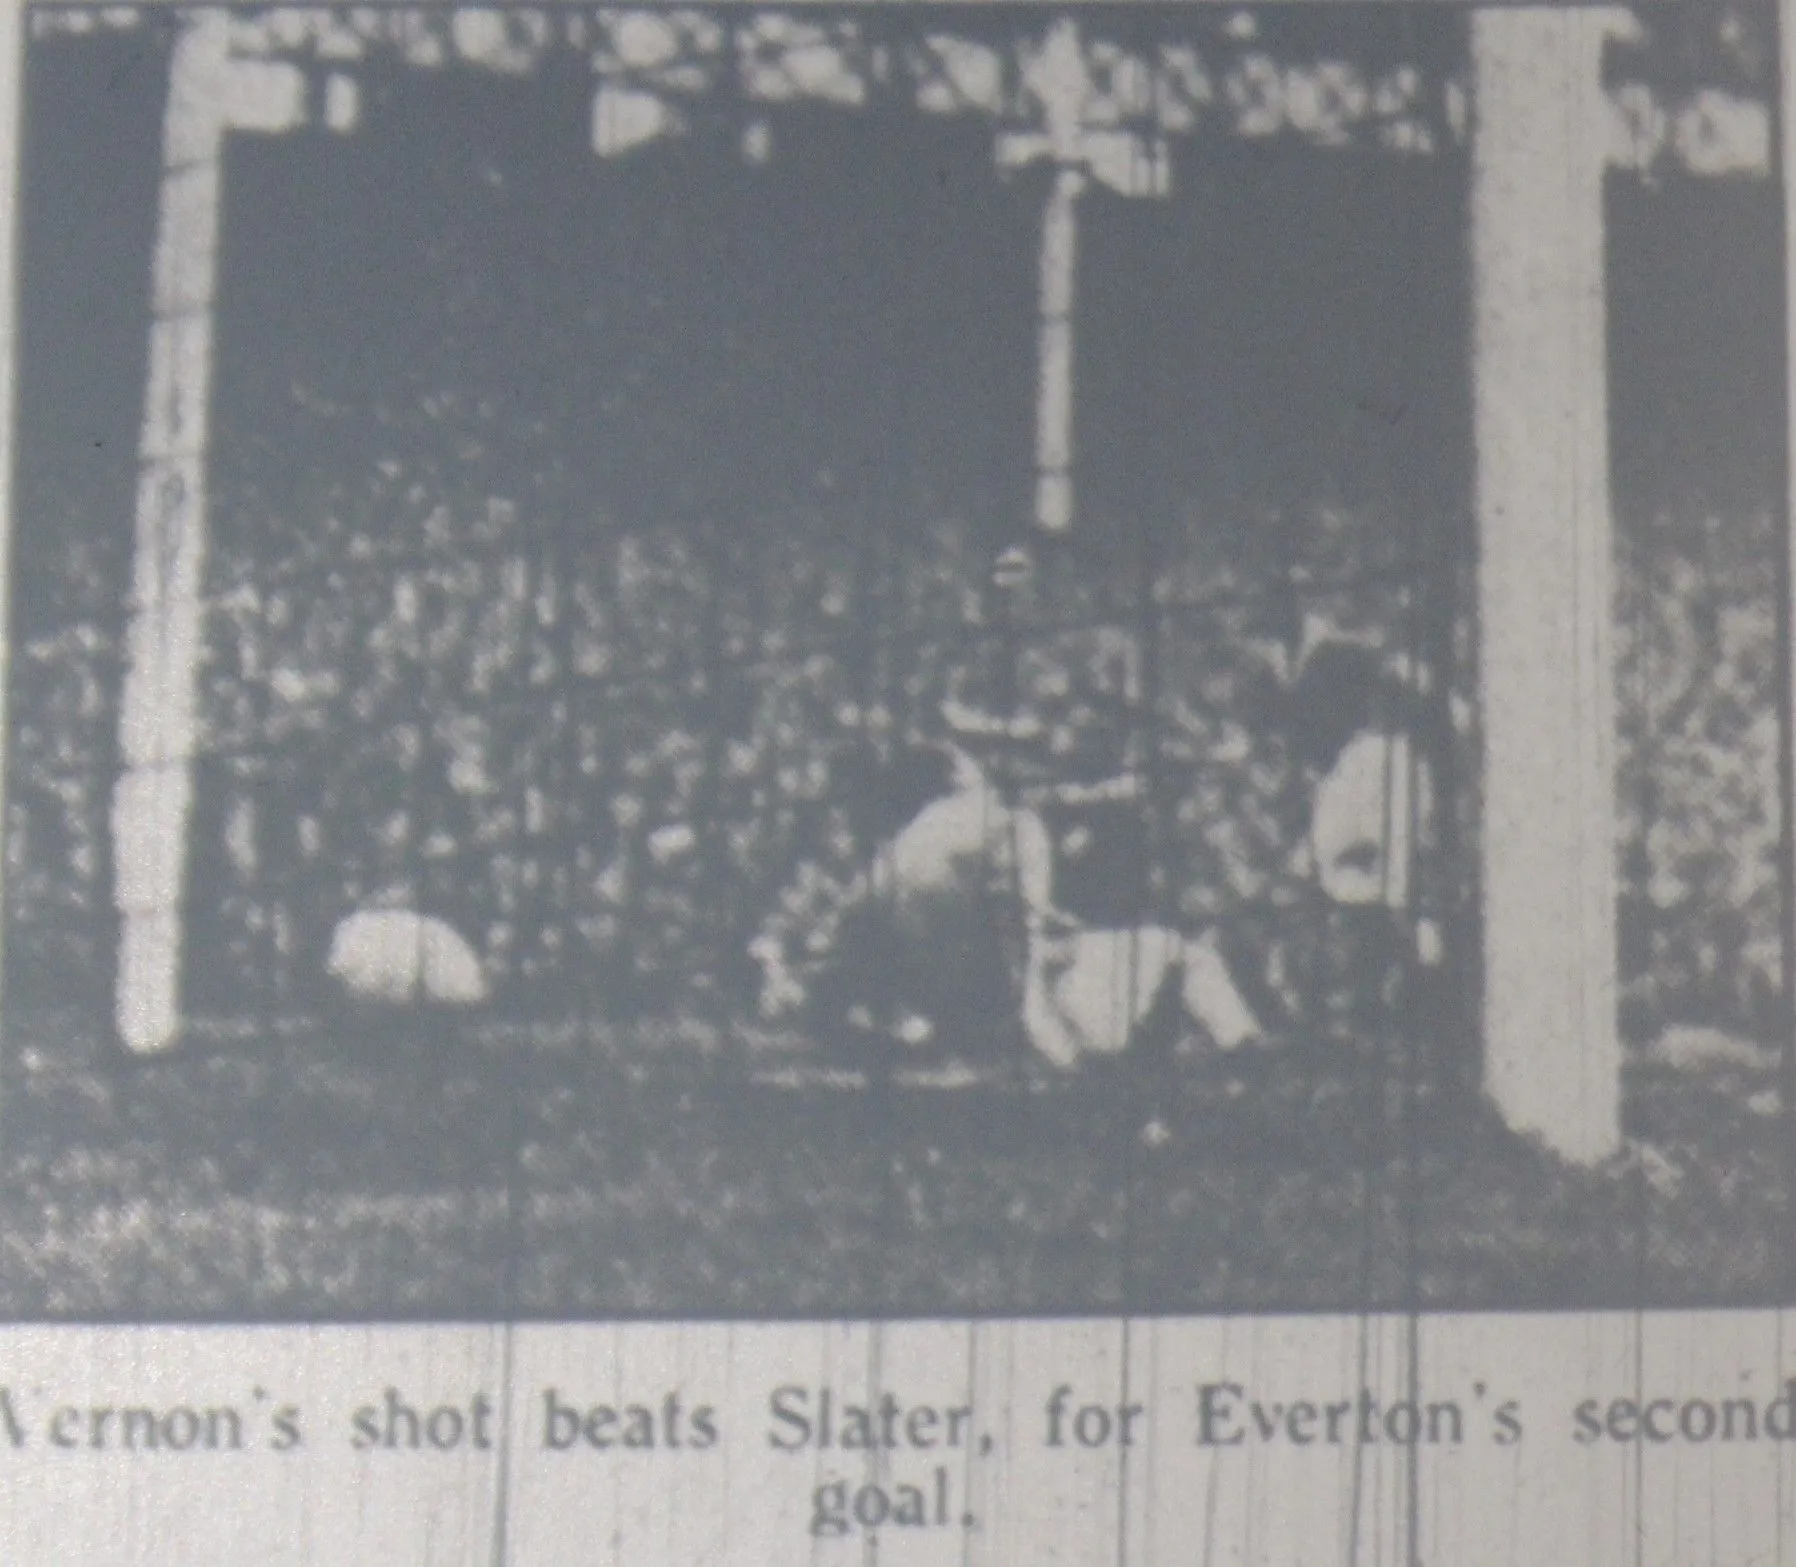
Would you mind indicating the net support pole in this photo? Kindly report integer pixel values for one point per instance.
(209, 94)
(1552, 1048)
(1082, 148)
(1062, 85)
(1054, 391)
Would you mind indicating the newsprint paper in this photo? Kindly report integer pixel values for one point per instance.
(942, 785)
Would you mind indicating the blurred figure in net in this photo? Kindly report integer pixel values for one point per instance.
(951, 934)
(1365, 733)
(921, 944)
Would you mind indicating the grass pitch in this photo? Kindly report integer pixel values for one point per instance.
(309, 1173)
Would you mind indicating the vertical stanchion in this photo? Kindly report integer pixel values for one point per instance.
(1054, 416)
(1540, 388)
(209, 93)
(152, 801)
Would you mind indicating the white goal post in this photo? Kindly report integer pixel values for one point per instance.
(1546, 542)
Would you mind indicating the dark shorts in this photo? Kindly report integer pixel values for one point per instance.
(1103, 865)
(961, 970)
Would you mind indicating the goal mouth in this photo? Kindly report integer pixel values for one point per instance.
(420, 614)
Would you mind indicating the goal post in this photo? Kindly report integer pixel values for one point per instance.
(1545, 600)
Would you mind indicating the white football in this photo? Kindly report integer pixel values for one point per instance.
(400, 958)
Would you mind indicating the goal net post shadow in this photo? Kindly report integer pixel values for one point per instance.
(1540, 140)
